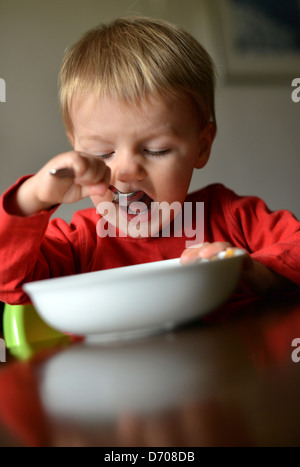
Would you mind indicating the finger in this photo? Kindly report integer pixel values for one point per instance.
(205, 251)
(210, 250)
(192, 253)
(99, 189)
(90, 170)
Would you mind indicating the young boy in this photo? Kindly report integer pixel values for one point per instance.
(137, 99)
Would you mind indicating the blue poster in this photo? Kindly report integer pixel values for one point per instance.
(264, 26)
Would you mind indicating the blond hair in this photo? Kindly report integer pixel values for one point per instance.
(134, 58)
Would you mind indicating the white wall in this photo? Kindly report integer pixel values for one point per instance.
(257, 146)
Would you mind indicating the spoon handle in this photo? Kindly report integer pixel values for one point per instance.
(65, 172)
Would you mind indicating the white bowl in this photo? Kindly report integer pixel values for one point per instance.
(135, 300)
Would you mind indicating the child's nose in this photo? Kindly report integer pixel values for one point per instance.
(129, 168)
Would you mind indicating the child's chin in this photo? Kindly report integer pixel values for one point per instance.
(140, 224)
(145, 224)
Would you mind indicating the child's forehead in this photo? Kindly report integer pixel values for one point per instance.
(160, 108)
(107, 119)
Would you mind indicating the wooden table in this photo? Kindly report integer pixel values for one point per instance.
(231, 382)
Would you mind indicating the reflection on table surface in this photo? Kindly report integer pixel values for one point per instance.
(231, 383)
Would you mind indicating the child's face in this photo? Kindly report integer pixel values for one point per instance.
(153, 147)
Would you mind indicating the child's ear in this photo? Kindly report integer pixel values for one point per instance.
(207, 137)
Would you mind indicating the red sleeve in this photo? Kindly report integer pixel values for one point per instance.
(271, 237)
(27, 253)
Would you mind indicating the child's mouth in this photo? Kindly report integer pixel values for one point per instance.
(135, 204)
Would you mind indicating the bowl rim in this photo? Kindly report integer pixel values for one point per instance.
(172, 265)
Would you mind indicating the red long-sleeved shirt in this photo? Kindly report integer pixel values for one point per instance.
(35, 247)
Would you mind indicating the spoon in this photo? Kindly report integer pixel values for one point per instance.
(119, 196)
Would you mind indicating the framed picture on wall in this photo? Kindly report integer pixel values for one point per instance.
(261, 39)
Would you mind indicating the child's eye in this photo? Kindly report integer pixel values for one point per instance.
(105, 156)
(161, 152)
